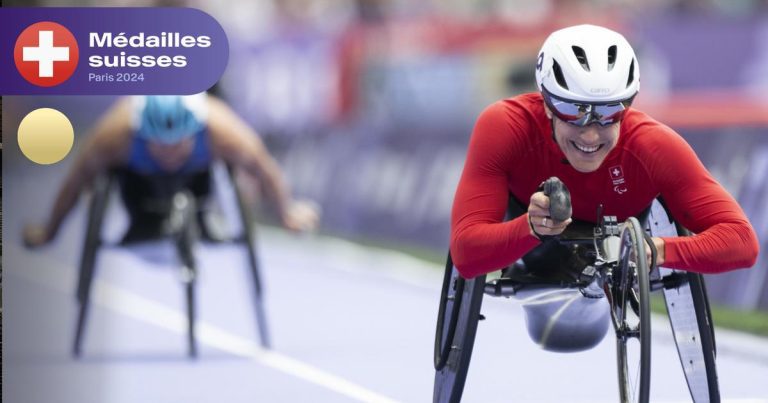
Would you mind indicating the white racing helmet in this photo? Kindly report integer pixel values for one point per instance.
(587, 63)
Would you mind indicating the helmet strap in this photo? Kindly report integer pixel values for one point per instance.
(552, 127)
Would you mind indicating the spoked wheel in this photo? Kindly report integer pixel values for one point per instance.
(457, 320)
(630, 311)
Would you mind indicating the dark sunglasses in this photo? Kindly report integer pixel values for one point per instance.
(582, 114)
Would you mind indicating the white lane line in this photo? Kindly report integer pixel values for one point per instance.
(148, 311)
(135, 306)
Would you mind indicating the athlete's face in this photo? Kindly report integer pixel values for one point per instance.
(171, 157)
(585, 147)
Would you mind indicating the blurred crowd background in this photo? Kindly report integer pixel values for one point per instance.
(369, 104)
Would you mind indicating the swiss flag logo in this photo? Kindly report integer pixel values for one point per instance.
(616, 172)
(46, 54)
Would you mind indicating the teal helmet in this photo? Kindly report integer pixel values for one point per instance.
(169, 119)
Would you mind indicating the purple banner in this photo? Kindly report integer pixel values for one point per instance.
(706, 50)
(109, 51)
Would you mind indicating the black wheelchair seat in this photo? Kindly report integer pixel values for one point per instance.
(149, 202)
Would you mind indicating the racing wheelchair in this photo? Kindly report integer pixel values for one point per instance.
(169, 212)
(607, 256)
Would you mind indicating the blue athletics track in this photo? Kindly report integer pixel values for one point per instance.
(348, 323)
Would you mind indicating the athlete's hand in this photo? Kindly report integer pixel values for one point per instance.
(540, 221)
(659, 244)
(301, 216)
(36, 236)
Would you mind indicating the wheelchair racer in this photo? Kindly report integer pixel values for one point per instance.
(159, 142)
(581, 128)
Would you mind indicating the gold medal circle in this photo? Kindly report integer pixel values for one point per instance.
(46, 136)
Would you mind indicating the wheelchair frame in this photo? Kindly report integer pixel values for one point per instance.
(184, 210)
(684, 292)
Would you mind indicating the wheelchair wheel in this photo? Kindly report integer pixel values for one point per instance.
(91, 244)
(694, 337)
(689, 316)
(457, 321)
(630, 311)
(451, 295)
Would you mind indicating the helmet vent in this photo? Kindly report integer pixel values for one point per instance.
(559, 77)
(611, 57)
(631, 76)
(581, 56)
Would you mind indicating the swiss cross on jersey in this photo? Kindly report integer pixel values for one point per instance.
(46, 54)
(617, 179)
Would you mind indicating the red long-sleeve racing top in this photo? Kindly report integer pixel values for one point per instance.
(512, 151)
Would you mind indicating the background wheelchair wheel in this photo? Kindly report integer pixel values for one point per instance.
(630, 308)
(458, 317)
(96, 210)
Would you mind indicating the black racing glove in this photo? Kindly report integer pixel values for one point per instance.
(559, 203)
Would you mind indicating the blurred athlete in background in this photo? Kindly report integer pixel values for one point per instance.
(161, 144)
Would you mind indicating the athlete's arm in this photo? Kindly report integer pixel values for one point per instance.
(236, 143)
(106, 147)
(724, 240)
(480, 241)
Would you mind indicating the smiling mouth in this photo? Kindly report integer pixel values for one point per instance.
(586, 149)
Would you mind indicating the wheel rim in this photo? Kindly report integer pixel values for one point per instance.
(631, 316)
(450, 300)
